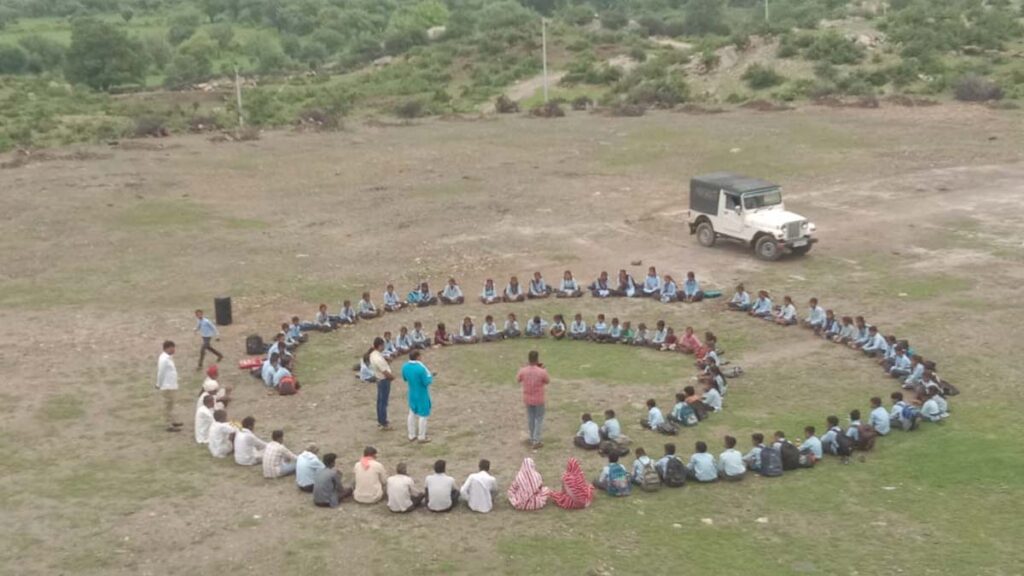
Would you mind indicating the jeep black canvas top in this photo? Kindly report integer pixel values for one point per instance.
(704, 189)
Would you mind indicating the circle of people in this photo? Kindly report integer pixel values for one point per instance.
(440, 493)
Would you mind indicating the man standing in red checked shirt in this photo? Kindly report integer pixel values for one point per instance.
(533, 378)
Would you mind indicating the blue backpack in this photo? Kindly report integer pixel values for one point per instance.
(619, 483)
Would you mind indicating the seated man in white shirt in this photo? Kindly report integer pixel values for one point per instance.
(204, 419)
(307, 464)
(442, 495)
(403, 496)
(480, 488)
(222, 435)
(248, 446)
(278, 461)
(730, 462)
(589, 435)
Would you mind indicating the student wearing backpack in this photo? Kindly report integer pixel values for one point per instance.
(614, 478)
(730, 462)
(753, 458)
(702, 466)
(853, 431)
(645, 475)
(682, 413)
(671, 468)
(656, 420)
(828, 439)
(902, 414)
(771, 460)
(789, 452)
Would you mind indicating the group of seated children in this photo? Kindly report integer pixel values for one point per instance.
(690, 407)
(894, 355)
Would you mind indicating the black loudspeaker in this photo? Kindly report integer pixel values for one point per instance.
(222, 306)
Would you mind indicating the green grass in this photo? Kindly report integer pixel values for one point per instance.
(62, 407)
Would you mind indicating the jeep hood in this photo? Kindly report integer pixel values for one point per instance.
(770, 218)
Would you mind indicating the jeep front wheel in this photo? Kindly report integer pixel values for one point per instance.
(706, 234)
(766, 248)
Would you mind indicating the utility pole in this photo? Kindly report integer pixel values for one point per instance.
(765, 10)
(238, 99)
(544, 50)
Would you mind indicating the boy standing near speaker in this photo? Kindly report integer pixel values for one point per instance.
(208, 332)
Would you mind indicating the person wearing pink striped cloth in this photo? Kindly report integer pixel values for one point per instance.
(527, 491)
(576, 492)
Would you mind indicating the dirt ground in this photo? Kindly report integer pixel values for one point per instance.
(106, 253)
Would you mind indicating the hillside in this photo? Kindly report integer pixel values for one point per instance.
(84, 70)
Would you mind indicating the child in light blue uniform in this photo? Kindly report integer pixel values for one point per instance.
(513, 291)
(600, 288)
(512, 327)
(347, 315)
(640, 464)
(569, 288)
(642, 336)
(366, 308)
(658, 338)
(879, 417)
(832, 326)
(626, 286)
(538, 287)
(702, 466)
(853, 431)
(669, 290)
(763, 306)
(422, 296)
(578, 328)
(536, 327)
(558, 329)
(420, 340)
(490, 330)
(863, 335)
(452, 294)
(652, 283)
(916, 372)
(811, 444)
(691, 289)
(901, 363)
(615, 331)
(600, 331)
(655, 419)
(828, 439)
(404, 341)
(489, 295)
(392, 303)
(786, 316)
(390, 350)
(466, 333)
(740, 301)
(875, 345)
(815, 316)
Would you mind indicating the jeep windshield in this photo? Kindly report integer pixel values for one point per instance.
(762, 199)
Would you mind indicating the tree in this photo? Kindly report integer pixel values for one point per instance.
(13, 59)
(192, 62)
(505, 14)
(43, 54)
(265, 51)
(158, 49)
(411, 18)
(705, 17)
(223, 34)
(182, 26)
(102, 55)
(127, 14)
(545, 7)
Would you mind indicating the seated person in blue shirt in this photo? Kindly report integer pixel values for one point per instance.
(847, 331)
(876, 344)
(659, 335)
(786, 316)
(420, 339)
(323, 320)
(467, 332)
(601, 288)
(625, 286)
(589, 435)
(832, 325)
(682, 412)
(347, 315)
(762, 307)
(578, 329)
(452, 294)
(662, 463)
(569, 288)
(702, 466)
(600, 330)
(640, 465)
(404, 341)
(654, 419)
(512, 327)
(614, 478)
(730, 462)
(642, 337)
(366, 308)
(669, 290)
(538, 287)
(811, 448)
(490, 330)
(392, 303)
(513, 291)
(290, 343)
(611, 430)
(889, 357)
(365, 373)
(691, 289)
(489, 295)
(863, 334)
(269, 368)
(917, 369)
(753, 458)
(853, 431)
(422, 296)
(933, 406)
(536, 327)
(295, 331)
(878, 419)
(558, 329)
(615, 331)
(390, 349)
(740, 301)
(828, 439)
(815, 317)
(652, 284)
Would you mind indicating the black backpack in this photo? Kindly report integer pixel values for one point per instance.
(843, 444)
(675, 473)
(790, 456)
(771, 461)
(254, 345)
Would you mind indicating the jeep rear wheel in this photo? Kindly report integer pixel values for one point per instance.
(767, 249)
(706, 234)
(802, 250)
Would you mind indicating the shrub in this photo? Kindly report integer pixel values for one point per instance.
(505, 105)
(222, 33)
(43, 54)
(637, 53)
(149, 125)
(704, 17)
(975, 88)
(549, 110)
(759, 77)
(317, 119)
(628, 110)
(408, 109)
(832, 47)
(102, 55)
(182, 26)
(582, 102)
(13, 59)
(614, 20)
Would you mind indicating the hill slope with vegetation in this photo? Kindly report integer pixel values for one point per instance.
(81, 70)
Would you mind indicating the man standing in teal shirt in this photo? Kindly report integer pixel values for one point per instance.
(418, 377)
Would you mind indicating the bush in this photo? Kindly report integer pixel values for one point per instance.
(317, 119)
(102, 55)
(43, 54)
(412, 108)
(627, 109)
(222, 33)
(974, 88)
(13, 59)
(549, 110)
(614, 20)
(759, 77)
(582, 102)
(182, 26)
(150, 126)
(505, 105)
(832, 47)
(704, 17)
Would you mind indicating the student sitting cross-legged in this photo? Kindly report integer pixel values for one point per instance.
(830, 439)
(323, 321)
(832, 326)
(512, 327)
(615, 331)
(536, 327)
(538, 287)
(513, 291)
(589, 435)
(569, 287)
(644, 473)
(847, 331)
(392, 303)
(762, 307)
(683, 413)
(403, 495)
(403, 343)
(689, 343)
(490, 330)
(811, 449)
(558, 328)
(691, 289)
(740, 301)
(367, 310)
(753, 458)
(441, 335)
(671, 468)
(578, 329)
(655, 420)
(878, 419)
(614, 478)
(815, 316)
(659, 335)
(601, 288)
(347, 315)
(390, 349)
(652, 284)
(671, 341)
(467, 333)
(669, 290)
(600, 330)
(420, 340)
(490, 295)
(421, 296)
(786, 315)
(452, 294)
(625, 285)
(611, 434)
(730, 462)
(702, 466)
(642, 337)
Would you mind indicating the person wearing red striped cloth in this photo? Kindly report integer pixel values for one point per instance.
(527, 491)
(533, 378)
(576, 492)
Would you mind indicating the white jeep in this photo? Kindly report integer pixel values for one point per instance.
(727, 205)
